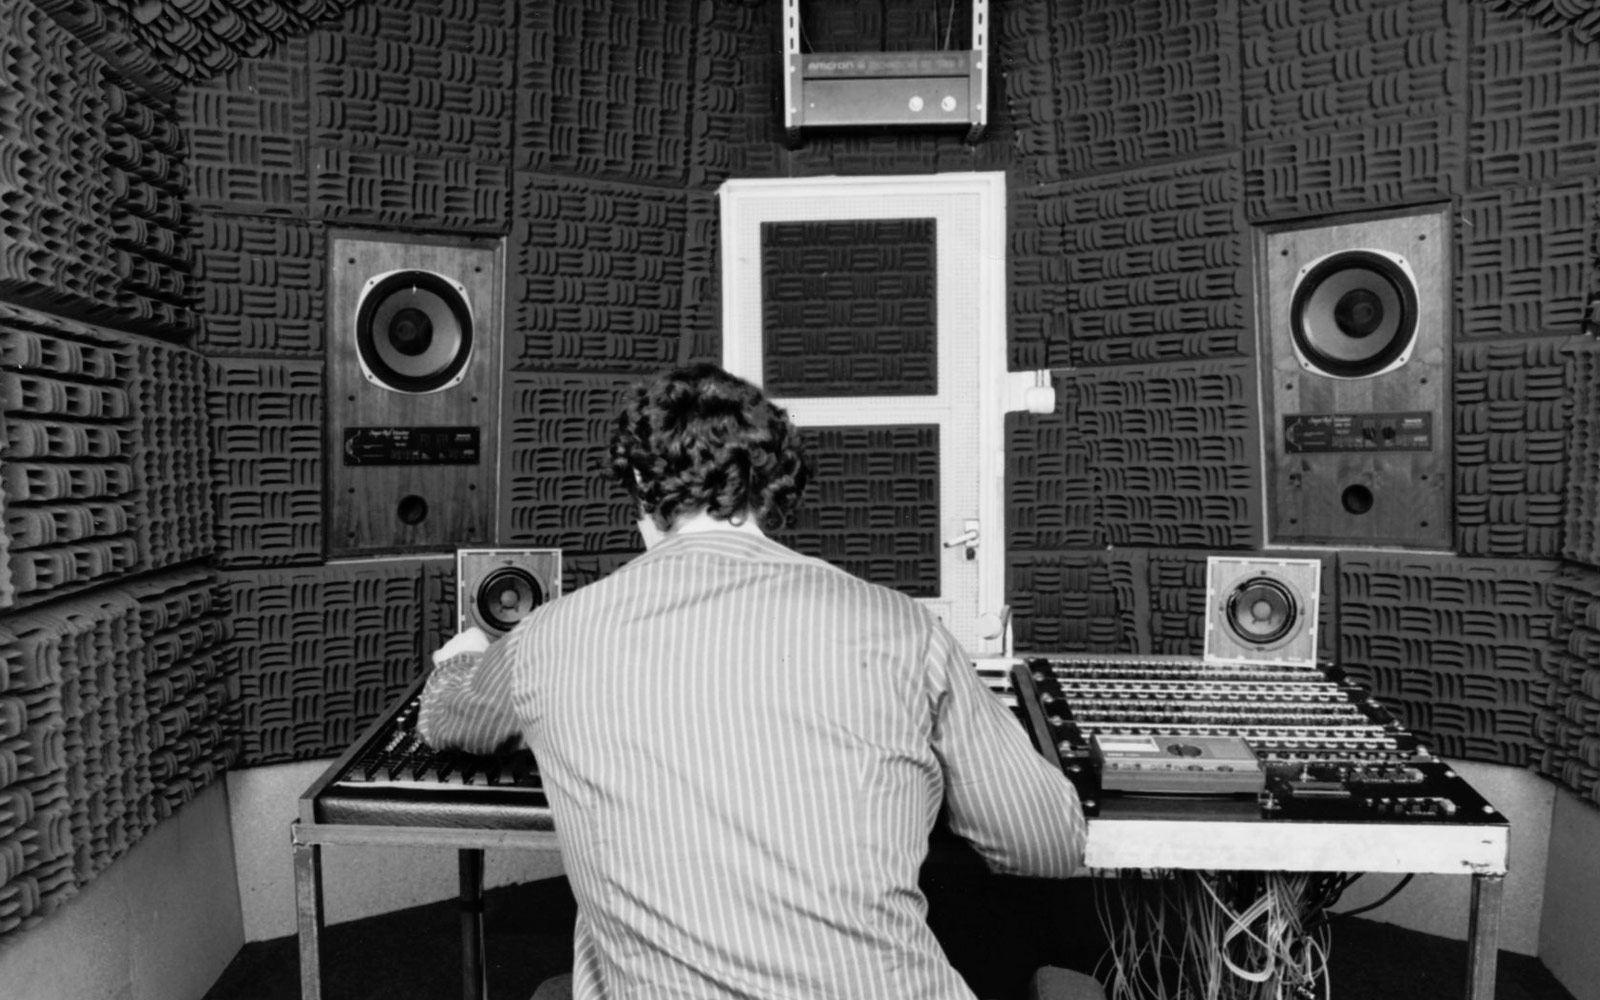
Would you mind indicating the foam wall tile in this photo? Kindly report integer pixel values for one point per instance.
(734, 54)
(54, 199)
(261, 286)
(1512, 418)
(556, 486)
(1421, 618)
(321, 652)
(266, 449)
(70, 477)
(872, 504)
(1036, 316)
(597, 275)
(1532, 92)
(418, 77)
(402, 191)
(849, 307)
(147, 171)
(701, 304)
(161, 46)
(1311, 67)
(1523, 260)
(1580, 22)
(173, 461)
(1174, 451)
(247, 133)
(1155, 264)
(1145, 81)
(1581, 516)
(604, 90)
(68, 705)
(1072, 602)
(1051, 502)
(1373, 166)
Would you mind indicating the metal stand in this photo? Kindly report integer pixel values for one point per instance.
(1483, 935)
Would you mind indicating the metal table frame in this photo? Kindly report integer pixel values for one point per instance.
(1126, 835)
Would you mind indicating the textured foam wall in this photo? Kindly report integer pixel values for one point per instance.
(1172, 452)
(1456, 648)
(322, 651)
(71, 473)
(596, 275)
(1568, 721)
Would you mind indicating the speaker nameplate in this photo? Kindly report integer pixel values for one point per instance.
(412, 446)
(1387, 496)
(1322, 433)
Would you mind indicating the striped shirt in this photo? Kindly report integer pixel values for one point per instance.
(745, 750)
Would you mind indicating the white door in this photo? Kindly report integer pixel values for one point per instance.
(873, 309)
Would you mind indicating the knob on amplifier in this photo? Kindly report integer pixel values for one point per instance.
(497, 588)
(1262, 610)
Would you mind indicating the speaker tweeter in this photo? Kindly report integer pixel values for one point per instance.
(497, 588)
(1262, 610)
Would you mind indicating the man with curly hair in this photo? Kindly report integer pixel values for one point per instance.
(745, 749)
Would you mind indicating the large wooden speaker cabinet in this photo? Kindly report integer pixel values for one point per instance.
(1354, 361)
(413, 387)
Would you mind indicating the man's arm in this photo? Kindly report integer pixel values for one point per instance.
(466, 703)
(1017, 810)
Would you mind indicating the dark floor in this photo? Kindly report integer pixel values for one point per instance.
(993, 929)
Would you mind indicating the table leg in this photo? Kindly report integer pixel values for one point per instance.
(308, 916)
(474, 974)
(1483, 936)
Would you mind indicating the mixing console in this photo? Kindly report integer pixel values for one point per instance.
(1325, 750)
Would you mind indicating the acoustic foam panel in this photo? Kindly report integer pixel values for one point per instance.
(1568, 719)
(555, 478)
(1076, 602)
(872, 505)
(1154, 264)
(1456, 649)
(71, 474)
(261, 285)
(595, 275)
(164, 45)
(1311, 67)
(321, 652)
(1036, 285)
(416, 77)
(603, 90)
(1173, 452)
(849, 308)
(174, 517)
(1532, 88)
(1525, 259)
(1513, 422)
(247, 133)
(147, 173)
(266, 421)
(1050, 497)
(1144, 81)
(1581, 519)
(56, 225)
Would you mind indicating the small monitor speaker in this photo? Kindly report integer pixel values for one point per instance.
(497, 588)
(1262, 610)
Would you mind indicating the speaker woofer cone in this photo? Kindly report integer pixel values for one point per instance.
(506, 596)
(414, 331)
(1262, 611)
(1354, 313)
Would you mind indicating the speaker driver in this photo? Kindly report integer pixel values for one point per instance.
(1262, 611)
(1354, 313)
(506, 596)
(414, 331)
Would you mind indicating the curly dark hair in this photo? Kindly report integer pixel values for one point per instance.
(697, 438)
